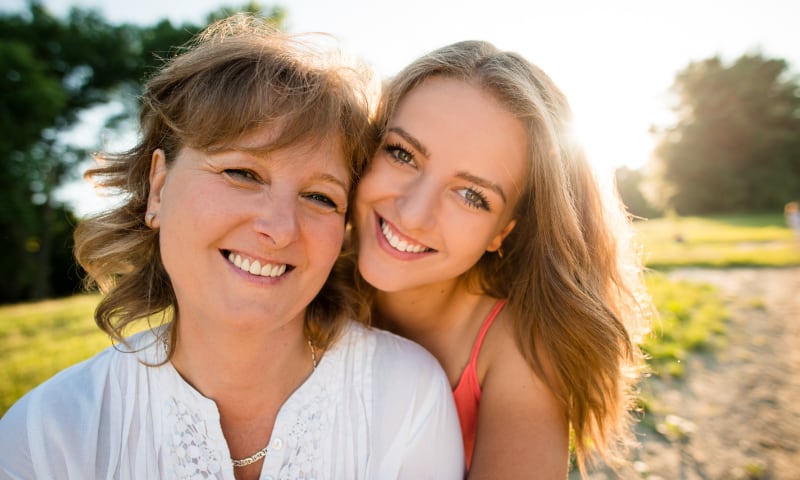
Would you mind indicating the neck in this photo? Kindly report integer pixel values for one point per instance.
(415, 308)
(248, 373)
(444, 320)
(250, 368)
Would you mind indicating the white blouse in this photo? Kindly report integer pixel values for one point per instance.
(377, 407)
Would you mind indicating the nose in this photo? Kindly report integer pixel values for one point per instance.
(418, 204)
(277, 220)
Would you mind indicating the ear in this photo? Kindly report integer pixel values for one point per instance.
(497, 241)
(158, 175)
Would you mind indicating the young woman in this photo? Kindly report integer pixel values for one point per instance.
(233, 218)
(488, 240)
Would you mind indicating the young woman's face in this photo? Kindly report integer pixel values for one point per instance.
(441, 189)
(249, 239)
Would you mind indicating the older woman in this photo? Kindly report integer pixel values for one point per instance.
(231, 228)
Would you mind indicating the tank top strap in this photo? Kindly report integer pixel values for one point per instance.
(467, 393)
(476, 347)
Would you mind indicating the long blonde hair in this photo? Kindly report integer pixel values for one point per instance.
(571, 276)
(237, 76)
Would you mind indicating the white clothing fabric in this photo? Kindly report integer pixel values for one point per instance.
(377, 407)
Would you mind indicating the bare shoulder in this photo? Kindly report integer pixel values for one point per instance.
(522, 425)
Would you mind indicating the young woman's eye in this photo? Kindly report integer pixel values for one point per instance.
(241, 174)
(400, 154)
(474, 199)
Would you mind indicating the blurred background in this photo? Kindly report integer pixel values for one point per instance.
(691, 106)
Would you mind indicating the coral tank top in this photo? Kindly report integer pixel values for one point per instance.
(467, 393)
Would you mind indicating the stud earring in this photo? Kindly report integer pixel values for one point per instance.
(148, 219)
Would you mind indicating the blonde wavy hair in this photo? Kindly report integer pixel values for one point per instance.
(237, 76)
(572, 276)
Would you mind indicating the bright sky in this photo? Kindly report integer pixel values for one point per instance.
(615, 59)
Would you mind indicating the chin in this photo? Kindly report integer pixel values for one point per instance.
(379, 279)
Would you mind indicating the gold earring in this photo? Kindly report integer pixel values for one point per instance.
(148, 219)
(500, 252)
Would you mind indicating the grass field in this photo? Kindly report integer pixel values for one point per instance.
(39, 339)
(729, 241)
(691, 318)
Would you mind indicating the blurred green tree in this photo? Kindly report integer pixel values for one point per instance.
(630, 183)
(736, 144)
(54, 70)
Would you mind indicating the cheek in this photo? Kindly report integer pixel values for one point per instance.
(472, 246)
(325, 239)
(365, 197)
(365, 192)
(195, 210)
(377, 182)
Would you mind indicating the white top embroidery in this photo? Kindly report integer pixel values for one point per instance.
(376, 407)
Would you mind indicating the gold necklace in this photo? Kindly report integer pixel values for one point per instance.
(243, 462)
(251, 459)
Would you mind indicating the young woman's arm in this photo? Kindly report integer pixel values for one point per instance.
(523, 432)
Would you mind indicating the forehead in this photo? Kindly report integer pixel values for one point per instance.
(269, 141)
(464, 126)
(308, 156)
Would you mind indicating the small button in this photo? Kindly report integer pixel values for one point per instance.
(277, 444)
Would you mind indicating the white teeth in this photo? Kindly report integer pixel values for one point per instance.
(255, 268)
(397, 243)
(272, 270)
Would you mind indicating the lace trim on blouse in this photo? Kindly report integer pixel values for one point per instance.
(192, 456)
(303, 421)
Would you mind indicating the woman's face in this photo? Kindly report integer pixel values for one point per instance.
(249, 239)
(441, 189)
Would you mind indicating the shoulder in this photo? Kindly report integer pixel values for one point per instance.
(54, 419)
(504, 364)
(408, 406)
(74, 384)
(388, 368)
(63, 409)
(393, 355)
(85, 380)
(519, 416)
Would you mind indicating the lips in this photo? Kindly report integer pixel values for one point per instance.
(400, 242)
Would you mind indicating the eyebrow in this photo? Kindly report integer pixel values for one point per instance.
(323, 177)
(328, 178)
(463, 175)
(483, 183)
(410, 139)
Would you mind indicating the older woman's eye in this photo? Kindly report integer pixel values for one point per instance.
(322, 200)
(241, 174)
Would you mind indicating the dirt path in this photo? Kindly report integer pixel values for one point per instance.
(736, 415)
(741, 404)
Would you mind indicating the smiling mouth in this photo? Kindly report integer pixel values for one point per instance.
(401, 245)
(255, 267)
